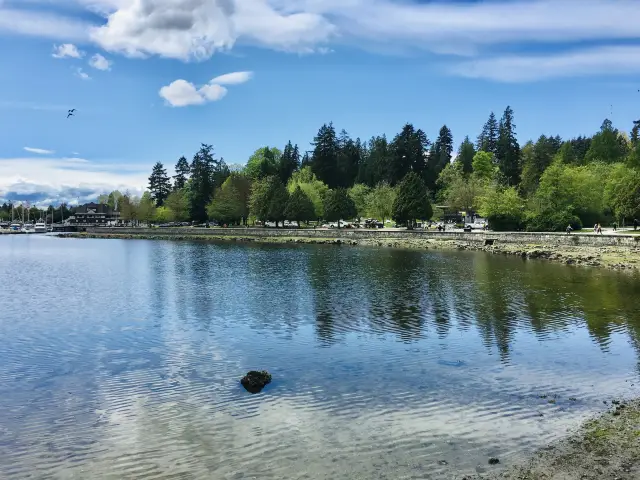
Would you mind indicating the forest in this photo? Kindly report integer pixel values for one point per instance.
(544, 185)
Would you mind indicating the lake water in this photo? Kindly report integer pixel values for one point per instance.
(122, 359)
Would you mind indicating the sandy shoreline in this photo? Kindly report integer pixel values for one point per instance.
(613, 257)
(604, 448)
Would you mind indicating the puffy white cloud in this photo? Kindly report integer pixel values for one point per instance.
(181, 93)
(99, 62)
(47, 180)
(82, 74)
(517, 68)
(66, 50)
(234, 78)
(40, 151)
(196, 29)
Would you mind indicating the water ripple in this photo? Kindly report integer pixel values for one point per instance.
(121, 359)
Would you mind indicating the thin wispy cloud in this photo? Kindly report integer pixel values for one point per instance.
(39, 179)
(605, 61)
(39, 151)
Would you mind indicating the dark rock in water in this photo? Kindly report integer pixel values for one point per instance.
(255, 381)
(493, 461)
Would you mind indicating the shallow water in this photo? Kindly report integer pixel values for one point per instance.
(120, 359)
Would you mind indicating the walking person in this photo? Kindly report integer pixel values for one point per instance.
(615, 226)
(569, 229)
(599, 229)
(635, 223)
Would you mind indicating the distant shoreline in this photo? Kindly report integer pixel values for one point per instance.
(621, 252)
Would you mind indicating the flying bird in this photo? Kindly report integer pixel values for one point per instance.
(70, 112)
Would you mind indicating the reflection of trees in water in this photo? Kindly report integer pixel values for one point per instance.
(405, 291)
(392, 291)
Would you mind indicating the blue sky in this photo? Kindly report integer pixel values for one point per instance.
(152, 79)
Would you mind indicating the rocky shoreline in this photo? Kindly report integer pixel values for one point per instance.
(605, 448)
(613, 257)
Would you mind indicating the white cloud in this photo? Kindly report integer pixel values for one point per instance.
(83, 75)
(196, 29)
(47, 180)
(42, 24)
(40, 151)
(99, 62)
(66, 50)
(181, 93)
(234, 78)
(619, 60)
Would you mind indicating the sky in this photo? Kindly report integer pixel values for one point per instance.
(153, 79)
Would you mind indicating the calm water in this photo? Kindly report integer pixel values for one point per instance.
(121, 359)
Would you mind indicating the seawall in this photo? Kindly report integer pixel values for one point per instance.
(481, 238)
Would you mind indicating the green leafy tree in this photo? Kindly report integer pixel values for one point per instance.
(488, 138)
(358, 194)
(159, 184)
(264, 162)
(146, 209)
(412, 201)
(466, 152)
(162, 215)
(508, 150)
(503, 208)
(178, 204)
(182, 169)
(227, 205)
(568, 195)
(607, 145)
(324, 161)
(311, 186)
(622, 192)
(299, 207)
(380, 201)
(269, 199)
(460, 191)
(338, 206)
(484, 166)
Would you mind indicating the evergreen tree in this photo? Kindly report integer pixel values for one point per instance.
(204, 169)
(535, 160)
(466, 152)
(408, 151)
(278, 198)
(289, 162)
(440, 156)
(182, 173)
(375, 167)
(324, 161)
(635, 134)
(299, 207)
(348, 159)
(488, 138)
(159, 184)
(338, 206)
(412, 201)
(508, 149)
